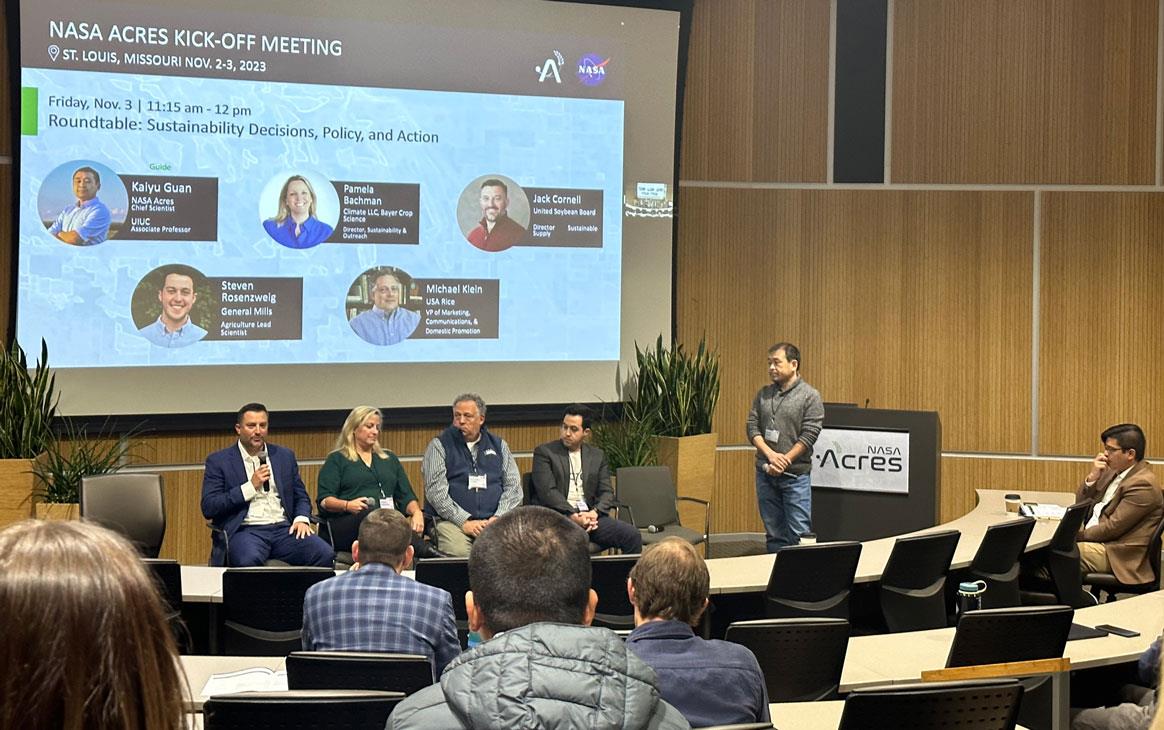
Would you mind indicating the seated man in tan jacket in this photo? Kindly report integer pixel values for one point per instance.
(1128, 508)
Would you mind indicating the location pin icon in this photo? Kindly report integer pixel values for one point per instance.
(54, 51)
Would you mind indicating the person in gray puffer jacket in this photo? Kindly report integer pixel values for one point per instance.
(542, 665)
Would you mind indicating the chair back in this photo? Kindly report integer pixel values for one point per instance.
(812, 580)
(608, 574)
(527, 490)
(1000, 635)
(167, 575)
(801, 658)
(262, 608)
(913, 584)
(1063, 558)
(451, 574)
(405, 673)
(985, 704)
(997, 561)
(649, 493)
(131, 504)
(334, 709)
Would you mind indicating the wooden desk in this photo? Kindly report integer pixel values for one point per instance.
(198, 669)
(749, 574)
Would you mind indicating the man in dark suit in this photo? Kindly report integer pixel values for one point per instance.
(377, 609)
(572, 477)
(1128, 508)
(252, 492)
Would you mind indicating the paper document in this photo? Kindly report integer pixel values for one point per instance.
(257, 679)
(1043, 511)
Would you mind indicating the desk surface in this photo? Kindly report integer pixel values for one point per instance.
(897, 658)
(749, 574)
(811, 715)
(199, 668)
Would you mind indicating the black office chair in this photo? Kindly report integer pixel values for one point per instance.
(997, 561)
(608, 574)
(801, 658)
(341, 529)
(405, 673)
(1000, 635)
(451, 574)
(131, 504)
(334, 709)
(1109, 584)
(648, 500)
(985, 704)
(1061, 559)
(167, 575)
(913, 584)
(262, 608)
(812, 581)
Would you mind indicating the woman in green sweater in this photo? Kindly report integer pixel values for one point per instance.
(360, 475)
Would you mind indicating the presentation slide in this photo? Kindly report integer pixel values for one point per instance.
(278, 184)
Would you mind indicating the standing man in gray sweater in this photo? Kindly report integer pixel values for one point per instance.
(785, 419)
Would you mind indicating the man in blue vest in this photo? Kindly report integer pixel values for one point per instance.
(470, 478)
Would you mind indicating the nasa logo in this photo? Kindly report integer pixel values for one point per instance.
(592, 69)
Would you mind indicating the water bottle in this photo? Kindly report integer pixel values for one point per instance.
(474, 640)
(970, 596)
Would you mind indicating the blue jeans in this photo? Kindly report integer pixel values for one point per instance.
(785, 507)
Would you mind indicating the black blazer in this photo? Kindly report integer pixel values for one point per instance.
(551, 478)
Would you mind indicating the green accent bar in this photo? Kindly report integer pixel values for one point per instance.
(29, 110)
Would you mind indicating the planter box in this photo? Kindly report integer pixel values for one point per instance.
(692, 462)
(58, 511)
(16, 481)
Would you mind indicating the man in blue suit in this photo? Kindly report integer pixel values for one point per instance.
(375, 608)
(253, 493)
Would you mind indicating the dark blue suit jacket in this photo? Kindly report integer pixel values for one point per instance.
(222, 498)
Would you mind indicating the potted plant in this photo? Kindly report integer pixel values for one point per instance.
(72, 455)
(677, 392)
(28, 405)
(627, 440)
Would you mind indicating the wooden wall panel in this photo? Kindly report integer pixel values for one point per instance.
(757, 91)
(910, 299)
(1041, 91)
(1100, 351)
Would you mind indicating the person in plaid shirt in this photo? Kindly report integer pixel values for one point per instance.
(374, 608)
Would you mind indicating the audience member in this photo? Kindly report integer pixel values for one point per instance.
(1134, 714)
(572, 477)
(375, 608)
(470, 478)
(250, 491)
(85, 643)
(540, 665)
(710, 682)
(1128, 508)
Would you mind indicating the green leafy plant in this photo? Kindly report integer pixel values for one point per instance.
(626, 440)
(28, 404)
(74, 454)
(677, 390)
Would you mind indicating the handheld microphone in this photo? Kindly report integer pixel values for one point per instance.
(263, 462)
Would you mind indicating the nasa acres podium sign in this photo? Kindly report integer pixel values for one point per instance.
(861, 460)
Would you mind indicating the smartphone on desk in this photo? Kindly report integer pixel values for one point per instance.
(1118, 631)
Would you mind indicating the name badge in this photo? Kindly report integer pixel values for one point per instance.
(387, 503)
(772, 435)
(477, 481)
(581, 506)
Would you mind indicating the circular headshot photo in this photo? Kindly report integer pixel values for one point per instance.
(172, 306)
(299, 209)
(382, 306)
(493, 212)
(83, 203)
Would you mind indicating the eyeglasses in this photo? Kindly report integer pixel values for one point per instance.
(1112, 449)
